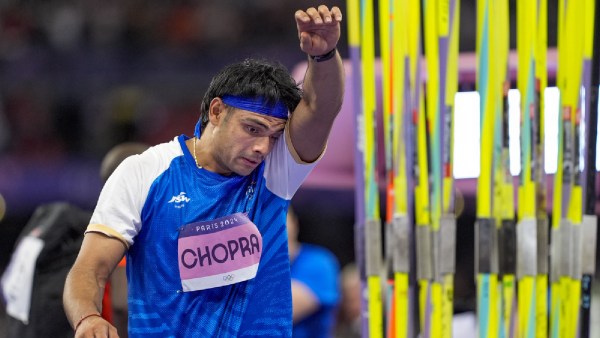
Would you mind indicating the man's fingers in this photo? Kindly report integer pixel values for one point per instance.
(314, 15)
(337, 13)
(318, 28)
(318, 16)
(302, 16)
(324, 13)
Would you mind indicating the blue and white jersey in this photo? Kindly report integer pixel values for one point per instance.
(165, 209)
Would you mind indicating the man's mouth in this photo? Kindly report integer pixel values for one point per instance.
(251, 162)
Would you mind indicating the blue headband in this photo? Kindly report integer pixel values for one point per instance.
(197, 130)
(256, 105)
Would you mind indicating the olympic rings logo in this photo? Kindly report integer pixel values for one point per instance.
(228, 278)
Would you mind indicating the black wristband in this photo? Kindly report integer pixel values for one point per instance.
(324, 57)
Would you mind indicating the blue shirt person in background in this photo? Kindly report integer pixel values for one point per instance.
(315, 288)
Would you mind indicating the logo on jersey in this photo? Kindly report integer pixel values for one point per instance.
(179, 200)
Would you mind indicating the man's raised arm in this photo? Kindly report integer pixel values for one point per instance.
(310, 124)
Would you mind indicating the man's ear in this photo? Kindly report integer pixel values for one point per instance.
(216, 110)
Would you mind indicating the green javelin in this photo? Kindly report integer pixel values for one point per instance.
(504, 191)
(441, 47)
(485, 228)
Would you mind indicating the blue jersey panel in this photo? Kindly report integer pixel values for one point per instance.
(183, 194)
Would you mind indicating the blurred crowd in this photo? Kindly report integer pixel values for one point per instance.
(77, 77)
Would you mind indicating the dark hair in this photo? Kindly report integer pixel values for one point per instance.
(253, 78)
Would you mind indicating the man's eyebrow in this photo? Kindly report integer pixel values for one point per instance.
(255, 121)
(262, 124)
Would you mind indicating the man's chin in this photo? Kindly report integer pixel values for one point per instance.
(244, 171)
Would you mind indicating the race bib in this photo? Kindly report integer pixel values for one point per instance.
(220, 252)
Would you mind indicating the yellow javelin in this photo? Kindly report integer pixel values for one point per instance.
(527, 227)
(450, 31)
(402, 166)
(430, 14)
(575, 44)
(589, 225)
(504, 197)
(372, 216)
(421, 193)
(441, 45)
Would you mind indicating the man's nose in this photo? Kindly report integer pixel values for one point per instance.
(262, 145)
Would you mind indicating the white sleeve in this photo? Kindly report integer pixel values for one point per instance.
(284, 170)
(119, 209)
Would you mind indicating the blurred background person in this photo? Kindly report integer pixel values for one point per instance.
(348, 316)
(315, 288)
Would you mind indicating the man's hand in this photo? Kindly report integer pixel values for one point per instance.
(96, 327)
(318, 29)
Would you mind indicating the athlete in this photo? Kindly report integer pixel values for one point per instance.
(202, 219)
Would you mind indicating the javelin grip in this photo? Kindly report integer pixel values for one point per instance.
(589, 228)
(576, 246)
(424, 253)
(527, 248)
(542, 246)
(507, 238)
(486, 258)
(447, 244)
(390, 245)
(373, 247)
(401, 250)
(555, 258)
(435, 256)
(566, 250)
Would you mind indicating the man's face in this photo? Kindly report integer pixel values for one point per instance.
(242, 140)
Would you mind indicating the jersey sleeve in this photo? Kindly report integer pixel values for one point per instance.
(118, 211)
(119, 208)
(284, 170)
